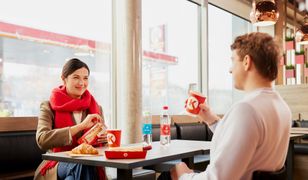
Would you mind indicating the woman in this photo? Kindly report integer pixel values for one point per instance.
(70, 111)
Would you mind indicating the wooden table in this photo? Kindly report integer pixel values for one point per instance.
(178, 149)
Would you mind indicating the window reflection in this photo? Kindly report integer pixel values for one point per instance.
(221, 91)
(170, 59)
(31, 70)
(32, 57)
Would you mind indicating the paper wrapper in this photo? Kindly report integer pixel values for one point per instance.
(91, 136)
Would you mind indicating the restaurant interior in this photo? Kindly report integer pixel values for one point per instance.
(143, 55)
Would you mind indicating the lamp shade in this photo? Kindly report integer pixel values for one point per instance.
(264, 13)
(301, 35)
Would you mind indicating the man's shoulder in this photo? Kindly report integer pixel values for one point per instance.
(243, 105)
(243, 111)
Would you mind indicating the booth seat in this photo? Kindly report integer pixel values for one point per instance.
(19, 155)
(156, 132)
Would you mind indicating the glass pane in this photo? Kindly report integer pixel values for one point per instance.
(221, 91)
(170, 53)
(32, 53)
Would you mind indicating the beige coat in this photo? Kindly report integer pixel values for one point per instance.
(48, 138)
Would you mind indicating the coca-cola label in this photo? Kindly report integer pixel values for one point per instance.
(147, 129)
(165, 129)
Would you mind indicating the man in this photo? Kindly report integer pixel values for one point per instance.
(254, 134)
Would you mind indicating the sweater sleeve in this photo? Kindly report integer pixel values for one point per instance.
(46, 136)
(213, 126)
(236, 144)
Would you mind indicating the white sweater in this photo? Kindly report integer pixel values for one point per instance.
(253, 135)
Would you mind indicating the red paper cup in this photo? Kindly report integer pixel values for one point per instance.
(114, 137)
(193, 102)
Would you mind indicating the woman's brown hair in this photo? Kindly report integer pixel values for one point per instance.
(72, 65)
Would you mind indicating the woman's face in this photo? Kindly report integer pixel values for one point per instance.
(76, 83)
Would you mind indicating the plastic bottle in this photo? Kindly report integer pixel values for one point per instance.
(165, 122)
(147, 130)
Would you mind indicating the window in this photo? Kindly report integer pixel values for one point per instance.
(33, 51)
(221, 91)
(170, 53)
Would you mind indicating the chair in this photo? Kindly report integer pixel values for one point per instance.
(268, 175)
(192, 131)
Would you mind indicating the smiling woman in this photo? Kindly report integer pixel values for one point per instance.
(60, 123)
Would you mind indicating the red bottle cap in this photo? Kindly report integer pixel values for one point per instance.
(165, 107)
(145, 148)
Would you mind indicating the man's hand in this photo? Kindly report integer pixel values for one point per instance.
(179, 170)
(206, 115)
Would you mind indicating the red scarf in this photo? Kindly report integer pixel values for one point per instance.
(63, 105)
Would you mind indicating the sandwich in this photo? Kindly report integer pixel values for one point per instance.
(90, 137)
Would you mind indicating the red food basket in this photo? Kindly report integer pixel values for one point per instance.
(125, 154)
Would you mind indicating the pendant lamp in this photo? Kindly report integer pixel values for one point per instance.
(264, 13)
(301, 35)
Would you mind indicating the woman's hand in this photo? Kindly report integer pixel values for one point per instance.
(102, 136)
(206, 115)
(87, 123)
(90, 120)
